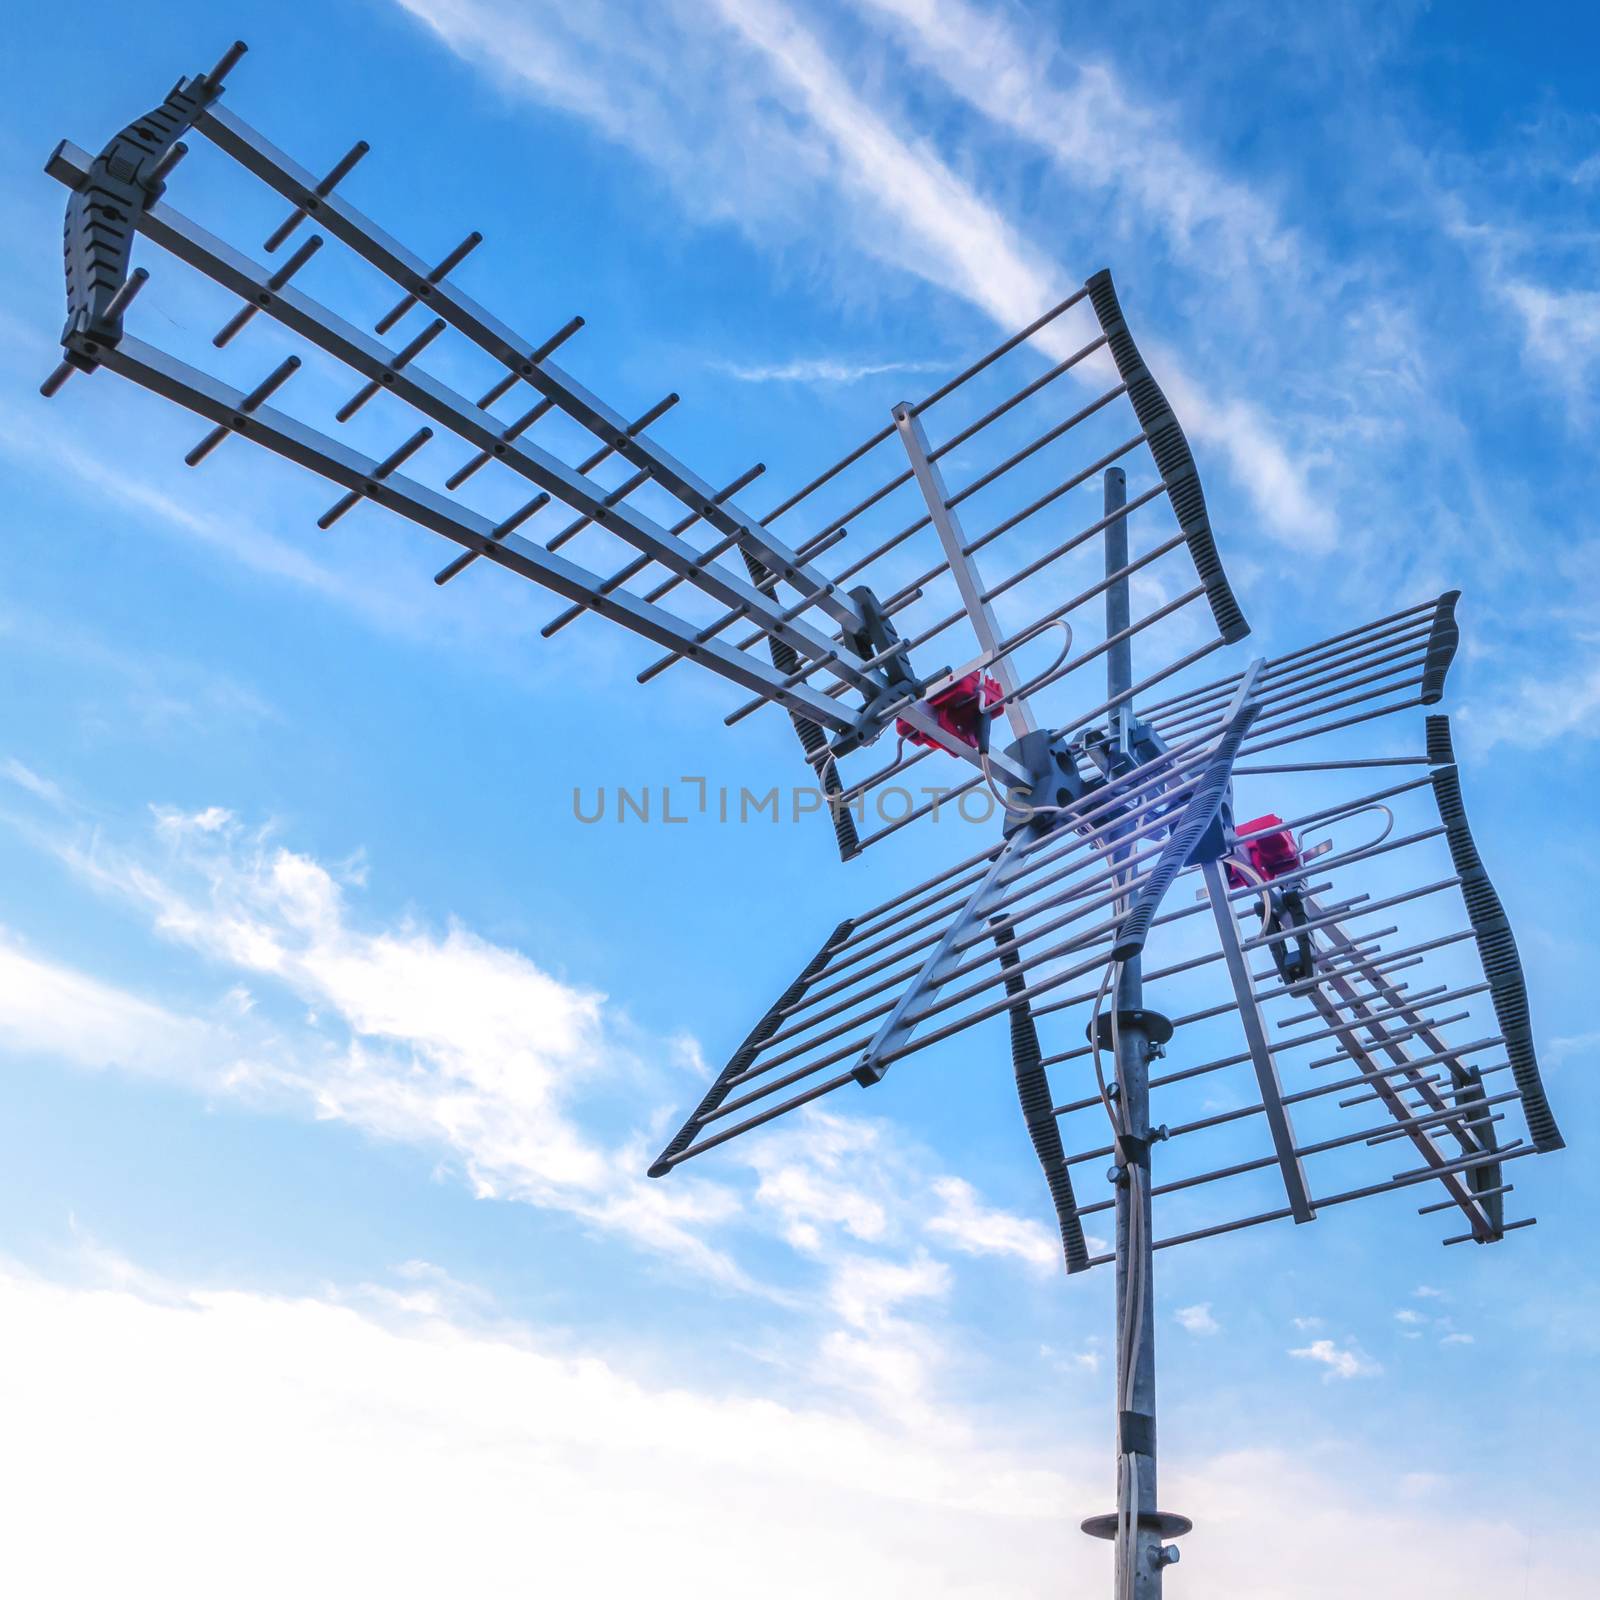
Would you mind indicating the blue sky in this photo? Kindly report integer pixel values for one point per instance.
(334, 1048)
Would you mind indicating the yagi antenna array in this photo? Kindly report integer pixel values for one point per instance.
(1343, 979)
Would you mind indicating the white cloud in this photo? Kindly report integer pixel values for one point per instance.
(1306, 1324)
(1458, 1338)
(1538, 710)
(1348, 1362)
(446, 1041)
(1561, 327)
(976, 1229)
(1567, 1046)
(434, 1038)
(1409, 1317)
(403, 1441)
(40, 788)
(379, 1442)
(1426, 1291)
(1198, 1319)
(820, 369)
(53, 1011)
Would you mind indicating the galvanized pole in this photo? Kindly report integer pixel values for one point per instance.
(1136, 1426)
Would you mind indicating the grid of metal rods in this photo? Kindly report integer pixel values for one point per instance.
(1366, 1023)
(929, 956)
(1415, 1051)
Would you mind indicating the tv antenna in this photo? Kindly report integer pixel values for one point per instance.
(1107, 799)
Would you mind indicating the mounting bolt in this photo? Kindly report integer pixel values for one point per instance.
(1117, 1175)
(1160, 1133)
(1166, 1555)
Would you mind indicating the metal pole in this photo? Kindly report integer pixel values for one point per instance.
(1119, 658)
(1136, 1391)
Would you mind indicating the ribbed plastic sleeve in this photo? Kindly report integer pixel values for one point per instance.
(1033, 1090)
(1497, 946)
(1174, 460)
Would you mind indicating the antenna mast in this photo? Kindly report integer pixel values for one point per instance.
(1105, 806)
(1135, 1036)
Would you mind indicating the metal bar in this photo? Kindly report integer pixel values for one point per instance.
(899, 1023)
(1423, 1061)
(953, 501)
(1216, 955)
(403, 359)
(1360, 1053)
(434, 276)
(1077, 892)
(944, 951)
(383, 470)
(1005, 347)
(1319, 1147)
(1286, 697)
(512, 430)
(236, 323)
(1206, 1015)
(1331, 766)
(1507, 1227)
(1261, 1056)
(1075, 481)
(339, 171)
(645, 418)
(633, 568)
(1280, 662)
(510, 380)
(968, 582)
(1119, 656)
(1333, 727)
(1138, 688)
(1033, 446)
(1066, 486)
(1511, 1152)
(1040, 562)
(1307, 674)
(1483, 1194)
(248, 404)
(1360, 971)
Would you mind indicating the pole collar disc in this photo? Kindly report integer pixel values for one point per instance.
(1155, 1027)
(1165, 1524)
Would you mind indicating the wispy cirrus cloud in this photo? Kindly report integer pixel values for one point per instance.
(800, 144)
(820, 369)
(1084, 117)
